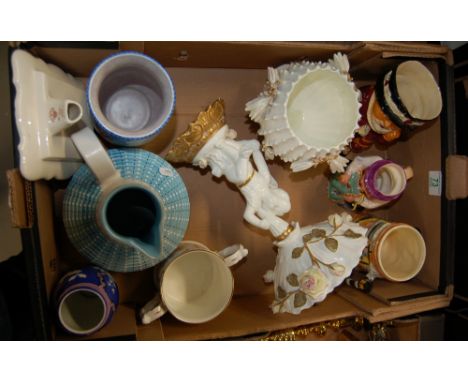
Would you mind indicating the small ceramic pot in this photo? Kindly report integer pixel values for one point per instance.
(369, 182)
(131, 97)
(308, 112)
(195, 284)
(86, 300)
(384, 180)
(396, 251)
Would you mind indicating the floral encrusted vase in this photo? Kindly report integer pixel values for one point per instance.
(314, 260)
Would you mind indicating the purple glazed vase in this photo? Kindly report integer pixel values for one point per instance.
(86, 300)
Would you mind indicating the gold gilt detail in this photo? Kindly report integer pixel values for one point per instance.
(320, 329)
(247, 181)
(191, 141)
(285, 233)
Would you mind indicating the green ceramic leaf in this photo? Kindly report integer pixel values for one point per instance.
(292, 280)
(351, 234)
(331, 244)
(316, 233)
(281, 292)
(297, 252)
(300, 299)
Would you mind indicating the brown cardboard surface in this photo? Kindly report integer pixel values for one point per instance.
(416, 207)
(45, 223)
(387, 291)
(249, 315)
(245, 54)
(405, 330)
(19, 192)
(456, 184)
(217, 207)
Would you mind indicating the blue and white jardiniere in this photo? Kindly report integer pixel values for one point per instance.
(131, 96)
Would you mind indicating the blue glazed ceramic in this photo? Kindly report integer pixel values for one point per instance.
(131, 221)
(131, 96)
(86, 300)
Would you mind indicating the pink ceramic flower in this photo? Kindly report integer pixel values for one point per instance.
(313, 282)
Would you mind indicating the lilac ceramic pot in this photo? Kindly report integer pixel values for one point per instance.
(385, 180)
(86, 300)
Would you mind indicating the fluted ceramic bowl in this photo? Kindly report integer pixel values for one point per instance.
(308, 113)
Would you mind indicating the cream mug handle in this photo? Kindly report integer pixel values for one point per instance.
(95, 155)
(152, 310)
(233, 254)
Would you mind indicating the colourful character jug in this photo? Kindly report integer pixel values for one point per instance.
(369, 182)
(126, 210)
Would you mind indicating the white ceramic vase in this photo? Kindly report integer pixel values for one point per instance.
(308, 113)
(314, 260)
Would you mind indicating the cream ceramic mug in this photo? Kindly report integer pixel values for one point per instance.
(396, 251)
(195, 285)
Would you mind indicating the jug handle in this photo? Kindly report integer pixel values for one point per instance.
(152, 310)
(233, 254)
(94, 154)
(408, 172)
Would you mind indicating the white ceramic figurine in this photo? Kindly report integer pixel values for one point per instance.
(225, 156)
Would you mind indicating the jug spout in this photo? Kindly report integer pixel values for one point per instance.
(133, 214)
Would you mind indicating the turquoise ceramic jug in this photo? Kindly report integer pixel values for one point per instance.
(126, 209)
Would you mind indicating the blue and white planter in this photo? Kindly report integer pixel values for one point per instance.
(140, 77)
(86, 300)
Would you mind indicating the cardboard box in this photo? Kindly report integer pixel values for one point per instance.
(236, 72)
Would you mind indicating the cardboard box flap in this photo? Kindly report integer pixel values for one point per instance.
(399, 49)
(248, 315)
(20, 200)
(456, 183)
(380, 311)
